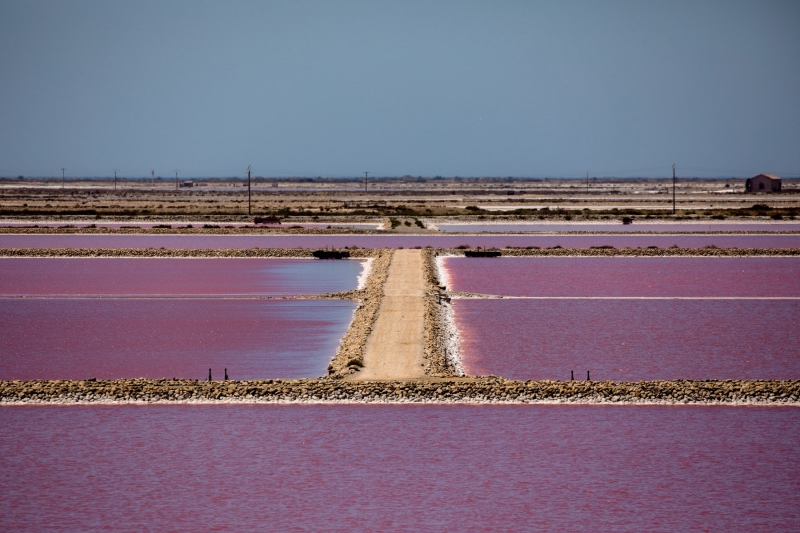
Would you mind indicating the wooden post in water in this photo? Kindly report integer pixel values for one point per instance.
(226, 374)
(209, 374)
(571, 375)
(587, 376)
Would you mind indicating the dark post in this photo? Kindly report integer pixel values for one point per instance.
(62, 178)
(587, 376)
(571, 375)
(209, 374)
(226, 374)
(366, 174)
(673, 188)
(248, 190)
(115, 180)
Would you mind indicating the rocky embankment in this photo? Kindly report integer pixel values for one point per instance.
(439, 356)
(357, 253)
(477, 390)
(173, 229)
(350, 355)
(653, 251)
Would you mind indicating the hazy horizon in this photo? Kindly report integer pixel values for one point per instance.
(472, 88)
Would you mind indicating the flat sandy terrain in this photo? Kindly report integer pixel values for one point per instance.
(395, 347)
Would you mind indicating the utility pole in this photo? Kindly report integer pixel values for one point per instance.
(587, 183)
(176, 179)
(249, 211)
(673, 188)
(366, 174)
(62, 178)
(115, 179)
(153, 178)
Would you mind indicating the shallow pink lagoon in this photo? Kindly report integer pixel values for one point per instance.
(626, 276)
(165, 338)
(176, 276)
(395, 241)
(630, 340)
(399, 468)
(619, 227)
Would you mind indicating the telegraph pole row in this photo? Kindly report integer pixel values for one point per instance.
(673, 188)
(249, 211)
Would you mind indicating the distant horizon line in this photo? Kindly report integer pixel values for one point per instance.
(408, 177)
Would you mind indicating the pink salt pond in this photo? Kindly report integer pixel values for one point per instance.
(166, 338)
(346, 468)
(161, 318)
(395, 241)
(629, 319)
(176, 276)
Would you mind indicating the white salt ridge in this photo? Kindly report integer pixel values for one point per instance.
(452, 341)
(365, 272)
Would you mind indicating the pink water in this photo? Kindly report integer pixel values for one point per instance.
(399, 468)
(626, 276)
(630, 340)
(176, 276)
(165, 338)
(395, 241)
(182, 224)
(618, 227)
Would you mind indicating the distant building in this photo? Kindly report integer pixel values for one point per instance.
(763, 183)
(187, 184)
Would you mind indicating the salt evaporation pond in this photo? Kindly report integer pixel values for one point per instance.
(166, 338)
(182, 224)
(176, 276)
(625, 276)
(630, 340)
(629, 319)
(78, 318)
(400, 468)
(639, 227)
(395, 241)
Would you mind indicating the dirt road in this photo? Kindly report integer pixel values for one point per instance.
(395, 346)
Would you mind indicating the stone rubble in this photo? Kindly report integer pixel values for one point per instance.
(464, 390)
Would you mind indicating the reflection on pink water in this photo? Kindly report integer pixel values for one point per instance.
(400, 468)
(619, 227)
(630, 340)
(626, 276)
(176, 276)
(165, 338)
(394, 241)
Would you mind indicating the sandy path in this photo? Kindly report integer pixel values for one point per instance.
(395, 347)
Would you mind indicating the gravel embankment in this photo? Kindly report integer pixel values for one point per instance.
(635, 252)
(350, 355)
(438, 359)
(357, 253)
(183, 230)
(479, 390)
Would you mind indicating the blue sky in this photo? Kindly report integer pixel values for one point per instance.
(335, 88)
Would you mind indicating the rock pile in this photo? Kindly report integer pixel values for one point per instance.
(464, 390)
